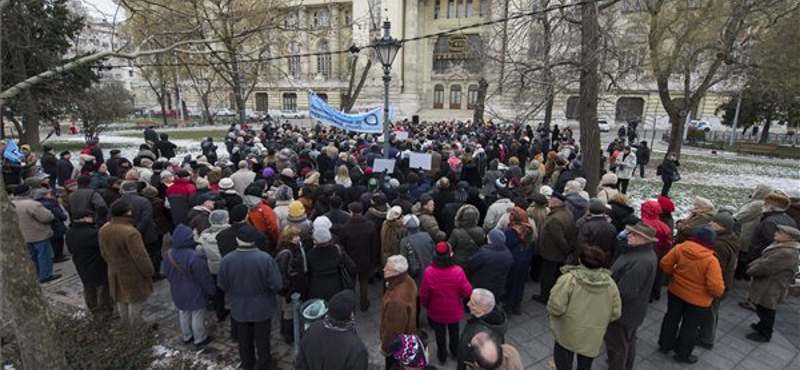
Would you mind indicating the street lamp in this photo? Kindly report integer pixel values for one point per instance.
(386, 48)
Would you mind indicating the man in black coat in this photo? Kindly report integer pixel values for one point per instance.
(642, 156)
(49, 162)
(359, 239)
(488, 267)
(596, 229)
(165, 147)
(112, 163)
(226, 239)
(143, 220)
(332, 343)
(337, 216)
(634, 272)
(486, 317)
(774, 215)
(64, 168)
(82, 242)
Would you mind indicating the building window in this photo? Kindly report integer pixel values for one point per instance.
(472, 96)
(324, 60)
(572, 107)
(321, 18)
(294, 61)
(451, 9)
(290, 102)
(262, 102)
(484, 8)
(436, 8)
(460, 8)
(455, 97)
(438, 97)
(375, 14)
(292, 20)
(348, 18)
(629, 109)
(324, 97)
(469, 8)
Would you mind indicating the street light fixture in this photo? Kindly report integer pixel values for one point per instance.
(387, 49)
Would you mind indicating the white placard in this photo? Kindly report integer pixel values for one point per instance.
(420, 160)
(383, 164)
(401, 135)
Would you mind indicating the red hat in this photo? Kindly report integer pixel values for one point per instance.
(368, 171)
(666, 204)
(442, 248)
(69, 182)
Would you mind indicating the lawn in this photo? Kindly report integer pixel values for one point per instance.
(198, 135)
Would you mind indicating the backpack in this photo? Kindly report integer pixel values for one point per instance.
(414, 265)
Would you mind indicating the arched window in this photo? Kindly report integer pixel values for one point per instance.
(324, 60)
(294, 61)
(472, 96)
(438, 97)
(455, 97)
(629, 109)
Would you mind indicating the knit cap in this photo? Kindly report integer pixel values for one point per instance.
(296, 209)
(409, 351)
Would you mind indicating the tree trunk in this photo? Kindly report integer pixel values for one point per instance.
(547, 75)
(589, 90)
(678, 121)
(765, 132)
(351, 98)
(30, 112)
(40, 347)
(480, 101)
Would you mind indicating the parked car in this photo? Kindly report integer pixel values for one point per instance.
(603, 125)
(292, 114)
(700, 125)
(224, 112)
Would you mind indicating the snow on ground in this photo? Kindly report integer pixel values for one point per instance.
(164, 354)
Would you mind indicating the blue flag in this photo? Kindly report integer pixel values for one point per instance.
(368, 122)
(12, 153)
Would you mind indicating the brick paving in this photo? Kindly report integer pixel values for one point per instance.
(529, 333)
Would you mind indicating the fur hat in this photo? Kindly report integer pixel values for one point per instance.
(296, 209)
(394, 213)
(609, 179)
(793, 232)
(778, 200)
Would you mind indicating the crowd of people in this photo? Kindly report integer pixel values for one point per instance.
(288, 210)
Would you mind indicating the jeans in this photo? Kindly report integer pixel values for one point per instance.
(442, 331)
(708, 328)
(193, 325)
(679, 328)
(621, 346)
(766, 321)
(564, 358)
(550, 273)
(98, 300)
(130, 313)
(42, 254)
(254, 337)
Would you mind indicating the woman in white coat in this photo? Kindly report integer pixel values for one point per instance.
(626, 164)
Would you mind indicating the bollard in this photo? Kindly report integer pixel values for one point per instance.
(296, 323)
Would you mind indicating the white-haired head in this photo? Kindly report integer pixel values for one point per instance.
(481, 302)
(395, 265)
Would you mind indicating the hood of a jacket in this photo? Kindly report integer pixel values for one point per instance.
(620, 209)
(589, 278)
(651, 210)
(577, 200)
(695, 251)
(761, 191)
(182, 237)
(789, 244)
(182, 181)
(495, 320)
(467, 216)
(251, 201)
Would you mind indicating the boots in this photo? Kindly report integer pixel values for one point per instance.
(287, 331)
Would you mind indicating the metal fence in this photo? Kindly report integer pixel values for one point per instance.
(724, 137)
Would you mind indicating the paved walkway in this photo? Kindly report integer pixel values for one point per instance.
(529, 333)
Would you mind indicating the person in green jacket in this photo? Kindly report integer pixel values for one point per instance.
(583, 302)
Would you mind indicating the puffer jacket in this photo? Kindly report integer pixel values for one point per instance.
(696, 274)
(582, 304)
(772, 273)
(428, 224)
(191, 284)
(651, 212)
(208, 246)
(261, 216)
(749, 215)
(495, 212)
(441, 293)
(467, 237)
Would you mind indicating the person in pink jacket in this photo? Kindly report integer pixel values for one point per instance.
(444, 285)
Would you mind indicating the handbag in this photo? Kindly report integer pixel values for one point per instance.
(344, 275)
(675, 176)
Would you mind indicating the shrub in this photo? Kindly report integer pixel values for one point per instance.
(179, 361)
(695, 135)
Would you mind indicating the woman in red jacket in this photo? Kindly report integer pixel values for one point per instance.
(651, 211)
(444, 285)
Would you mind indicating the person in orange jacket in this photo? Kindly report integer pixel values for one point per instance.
(260, 215)
(696, 281)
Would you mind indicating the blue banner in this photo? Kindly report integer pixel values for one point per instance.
(12, 153)
(368, 122)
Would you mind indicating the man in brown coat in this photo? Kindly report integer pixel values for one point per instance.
(399, 307)
(129, 268)
(359, 240)
(726, 249)
(556, 243)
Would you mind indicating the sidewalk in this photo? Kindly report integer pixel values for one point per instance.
(529, 333)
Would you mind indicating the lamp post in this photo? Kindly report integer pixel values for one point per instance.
(386, 48)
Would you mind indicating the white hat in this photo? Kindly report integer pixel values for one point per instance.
(226, 183)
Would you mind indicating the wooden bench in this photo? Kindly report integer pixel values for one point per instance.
(755, 148)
